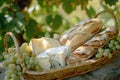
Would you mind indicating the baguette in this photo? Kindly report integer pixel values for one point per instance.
(88, 49)
(100, 39)
(84, 33)
(71, 32)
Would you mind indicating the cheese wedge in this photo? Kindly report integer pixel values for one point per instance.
(36, 45)
(43, 60)
(41, 44)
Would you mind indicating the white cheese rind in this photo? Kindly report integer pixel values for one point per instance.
(43, 60)
(54, 57)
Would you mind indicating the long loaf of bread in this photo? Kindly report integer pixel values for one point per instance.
(84, 33)
(89, 48)
(71, 32)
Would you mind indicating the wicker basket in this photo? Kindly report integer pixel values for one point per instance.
(65, 72)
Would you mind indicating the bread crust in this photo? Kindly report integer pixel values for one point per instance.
(88, 49)
(82, 33)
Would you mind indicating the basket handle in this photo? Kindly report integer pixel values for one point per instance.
(110, 12)
(17, 48)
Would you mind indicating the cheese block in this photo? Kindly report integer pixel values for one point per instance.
(43, 60)
(41, 44)
(36, 45)
(53, 57)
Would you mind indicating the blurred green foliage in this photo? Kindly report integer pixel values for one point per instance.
(34, 18)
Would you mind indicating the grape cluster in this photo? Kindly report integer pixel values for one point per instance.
(107, 50)
(13, 65)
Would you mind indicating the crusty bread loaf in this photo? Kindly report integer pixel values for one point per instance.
(80, 54)
(84, 33)
(100, 39)
(89, 48)
(71, 32)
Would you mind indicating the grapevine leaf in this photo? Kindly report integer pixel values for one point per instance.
(4, 10)
(8, 1)
(40, 2)
(57, 22)
(83, 4)
(49, 19)
(31, 29)
(90, 12)
(20, 15)
(1, 3)
(15, 7)
(67, 7)
(111, 2)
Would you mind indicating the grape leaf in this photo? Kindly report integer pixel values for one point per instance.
(1, 3)
(111, 2)
(57, 22)
(15, 7)
(90, 12)
(8, 1)
(20, 15)
(49, 19)
(31, 29)
(83, 4)
(40, 2)
(67, 7)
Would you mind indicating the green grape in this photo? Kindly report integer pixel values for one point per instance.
(28, 50)
(19, 74)
(18, 61)
(26, 62)
(114, 48)
(15, 72)
(6, 56)
(10, 71)
(14, 77)
(38, 68)
(11, 50)
(12, 59)
(16, 55)
(28, 66)
(112, 41)
(100, 50)
(118, 38)
(116, 43)
(105, 54)
(98, 55)
(7, 77)
(33, 67)
(18, 68)
(109, 55)
(12, 66)
(111, 45)
(27, 59)
(5, 64)
(107, 50)
(117, 46)
(22, 47)
(31, 61)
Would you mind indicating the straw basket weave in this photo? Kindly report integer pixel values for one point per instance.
(65, 72)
